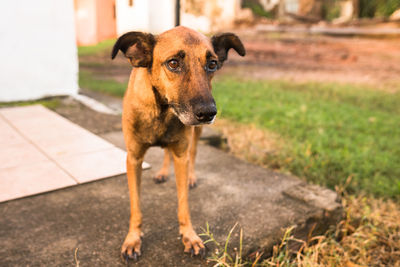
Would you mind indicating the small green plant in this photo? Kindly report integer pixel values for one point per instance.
(331, 10)
(282, 255)
(221, 255)
(256, 8)
(224, 257)
(377, 8)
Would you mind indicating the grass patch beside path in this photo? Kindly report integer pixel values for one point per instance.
(331, 131)
(50, 103)
(88, 81)
(96, 49)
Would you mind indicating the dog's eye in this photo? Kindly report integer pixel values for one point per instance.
(173, 64)
(212, 66)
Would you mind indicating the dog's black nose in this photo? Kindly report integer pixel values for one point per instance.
(205, 113)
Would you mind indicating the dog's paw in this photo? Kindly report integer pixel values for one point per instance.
(160, 178)
(192, 181)
(193, 244)
(192, 185)
(131, 247)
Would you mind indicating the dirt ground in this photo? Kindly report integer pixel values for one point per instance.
(321, 58)
(99, 123)
(296, 57)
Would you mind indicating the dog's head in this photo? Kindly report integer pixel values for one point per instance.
(181, 63)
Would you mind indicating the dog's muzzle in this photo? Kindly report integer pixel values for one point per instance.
(199, 114)
(205, 113)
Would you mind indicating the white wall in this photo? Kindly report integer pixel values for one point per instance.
(198, 23)
(292, 6)
(211, 16)
(132, 18)
(153, 16)
(38, 54)
(161, 15)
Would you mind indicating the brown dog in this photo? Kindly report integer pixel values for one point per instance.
(169, 93)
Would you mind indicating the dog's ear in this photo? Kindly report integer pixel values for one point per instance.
(137, 46)
(225, 41)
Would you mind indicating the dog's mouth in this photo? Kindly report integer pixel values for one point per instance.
(190, 118)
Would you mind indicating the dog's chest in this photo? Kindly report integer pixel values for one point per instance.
(158, 130)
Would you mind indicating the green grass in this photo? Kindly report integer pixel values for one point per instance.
(331, 131)
(88, 81)
(96, 49)
(378, 8)
(50, 103)
(256, 8)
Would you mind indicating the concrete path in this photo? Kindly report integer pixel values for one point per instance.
(47, 229)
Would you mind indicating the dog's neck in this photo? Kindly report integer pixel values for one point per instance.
(145, 94)
(161, 102)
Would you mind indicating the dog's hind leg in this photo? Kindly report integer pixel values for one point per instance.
(196, 132)
(162, 174)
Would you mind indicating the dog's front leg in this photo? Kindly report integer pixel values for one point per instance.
(131, 246)
(192, 242)
(196, 132)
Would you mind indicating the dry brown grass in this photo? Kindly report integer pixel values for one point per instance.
(248, 142)
(369, 234)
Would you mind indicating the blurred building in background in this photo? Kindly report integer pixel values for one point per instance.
(38, 49)
(213, 16)
(95, 20)
(39, 38)
(98, 20)
(145, 15)
(334, 11)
